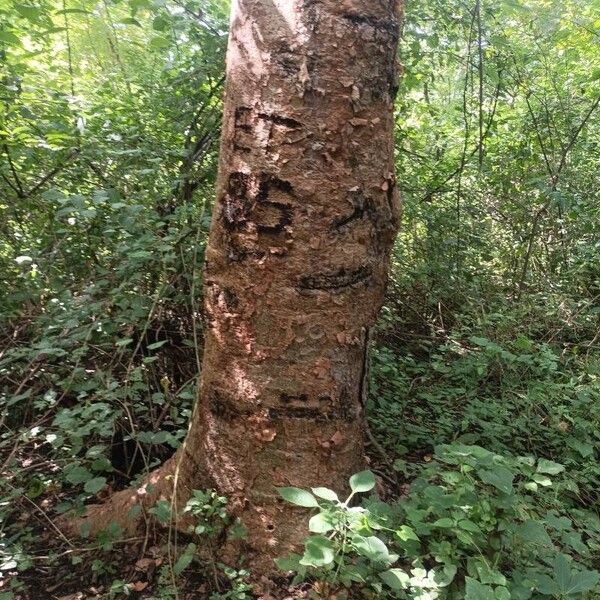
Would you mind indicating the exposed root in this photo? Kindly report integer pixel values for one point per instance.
(129, 508)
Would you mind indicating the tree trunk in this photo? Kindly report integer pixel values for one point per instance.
(296, 264)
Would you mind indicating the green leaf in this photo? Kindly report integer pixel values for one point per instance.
(583, 582)
(362, 482)
(326, 494)
(134, 512)
(157, 345)
(73, 11)
(486, 574)
(183, 563)
(94, 485)
(446, 576)
(407, 533)
(549, 467)
(160, 23)
(131, 21)
(533, 532)
(159, 43)
(575, 541)
(569, 582)
(162, 511)
(397, 579)
(9, 37)
(464, 537)
(289, 563)
(562, 572)
(318, 552)
(542, 480)
(468, 525)
(322, 522)
(501, 478)
(160, 437)
(9, 565)
(501, 593)
(444, 523)
(31, 13)
(78, 475)
(585, 449)
(298, 497)
(371, 547)
(477, 591)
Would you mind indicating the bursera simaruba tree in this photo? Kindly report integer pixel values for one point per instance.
(296, 264)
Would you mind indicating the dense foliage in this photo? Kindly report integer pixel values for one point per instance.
(485, 372)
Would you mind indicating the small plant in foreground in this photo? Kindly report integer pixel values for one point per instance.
(473, 526)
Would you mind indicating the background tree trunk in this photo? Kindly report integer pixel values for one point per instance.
(297, 259)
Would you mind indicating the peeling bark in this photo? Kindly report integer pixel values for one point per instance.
(296, 264)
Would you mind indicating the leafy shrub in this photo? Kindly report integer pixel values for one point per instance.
(474, 525)
(516, 397)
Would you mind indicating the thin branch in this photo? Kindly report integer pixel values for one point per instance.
(456, 171)
(52, 173)
(69, 53)
(575, 136)
(10, 184)
(14, 171)
(481, 74)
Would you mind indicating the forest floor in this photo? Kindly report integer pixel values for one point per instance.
(473, 388)
(139, 567)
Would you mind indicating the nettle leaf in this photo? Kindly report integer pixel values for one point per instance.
(318, 552)
(362, 482)
(372, 548)
(94, 485)
(326, 494)
(549, 467)
(500, 477)
(397, 579)
(298, 497)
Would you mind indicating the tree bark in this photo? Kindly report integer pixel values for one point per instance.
(306, 214)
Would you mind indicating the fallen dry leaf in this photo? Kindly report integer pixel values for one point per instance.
(144, 564)
(139, 586)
